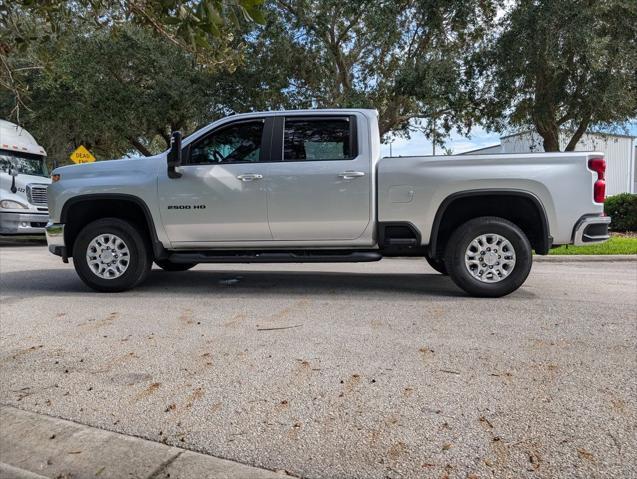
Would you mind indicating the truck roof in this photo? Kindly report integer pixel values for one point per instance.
(368, 112)
(311, 111)
(15, 138)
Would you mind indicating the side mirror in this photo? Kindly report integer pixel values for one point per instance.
(174, 155)
(13, 172)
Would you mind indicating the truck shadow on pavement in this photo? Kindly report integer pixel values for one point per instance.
(302, 282)
(228, 283)
(21, 241)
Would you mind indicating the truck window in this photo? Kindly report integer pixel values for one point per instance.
(238, 143)
(317, 139)
(24, 163)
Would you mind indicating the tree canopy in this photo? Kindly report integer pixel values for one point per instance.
(561, 66)
(110, 92)
(190, 24)
(119, 76)
(206, 29)
(402, 57)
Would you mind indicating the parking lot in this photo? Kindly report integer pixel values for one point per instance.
(354, 370)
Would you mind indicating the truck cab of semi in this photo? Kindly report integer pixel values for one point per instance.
(24, 179)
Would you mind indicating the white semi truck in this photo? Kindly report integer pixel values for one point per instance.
(24, 179)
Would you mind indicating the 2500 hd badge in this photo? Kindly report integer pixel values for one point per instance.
(186, 207)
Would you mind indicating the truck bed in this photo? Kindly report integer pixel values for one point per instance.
(412, 188)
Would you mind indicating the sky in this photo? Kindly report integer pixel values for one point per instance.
(418, 145)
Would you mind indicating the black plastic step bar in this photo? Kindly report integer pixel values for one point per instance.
(401, 241)
(316, 256)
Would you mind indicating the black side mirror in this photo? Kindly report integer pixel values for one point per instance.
(13, 172)
(174, 155)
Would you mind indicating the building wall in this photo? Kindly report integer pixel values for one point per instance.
(619, 152)
(635, 171)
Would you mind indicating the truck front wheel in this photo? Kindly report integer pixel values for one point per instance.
(488, 257)
(111, 255)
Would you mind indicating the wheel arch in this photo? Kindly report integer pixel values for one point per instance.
(80, 210)
(450, 215)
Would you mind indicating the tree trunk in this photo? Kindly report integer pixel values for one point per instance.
(139, 147)
(544, 115)
(551, 141)
(581, 129)
(550, 135)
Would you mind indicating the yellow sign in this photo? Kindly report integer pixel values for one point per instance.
(82, 155)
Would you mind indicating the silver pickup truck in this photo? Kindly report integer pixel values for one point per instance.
(311, 186)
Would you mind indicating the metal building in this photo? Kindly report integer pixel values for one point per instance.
(619, 150)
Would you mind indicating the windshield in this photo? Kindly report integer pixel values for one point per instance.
(24, 163)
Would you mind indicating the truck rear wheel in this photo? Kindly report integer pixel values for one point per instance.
(170, 266)
(488, 257)
(110, 255)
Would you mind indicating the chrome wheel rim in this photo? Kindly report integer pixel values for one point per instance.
(108, 256)
(490, 258)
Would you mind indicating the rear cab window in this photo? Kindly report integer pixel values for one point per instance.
(319, 139)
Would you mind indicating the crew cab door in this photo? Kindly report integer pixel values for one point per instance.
(221, 194)
(319, 186)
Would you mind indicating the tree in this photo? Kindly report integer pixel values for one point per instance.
(204, 28)
(186, 23)
(403, 57)
(118, 90)
(563, 65)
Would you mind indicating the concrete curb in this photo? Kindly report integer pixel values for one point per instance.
(10, 472)
(584, 258)
(564, 258)
(36, 446)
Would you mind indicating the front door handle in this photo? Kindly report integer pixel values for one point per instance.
(350, 175)
(250, 177)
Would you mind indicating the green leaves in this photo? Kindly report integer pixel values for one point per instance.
(205, 29)
(197, 24)
(431, 65)
(117, 91)
(563, 65)
(402, 57)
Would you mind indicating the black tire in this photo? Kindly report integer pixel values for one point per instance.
(460, 241)
(438, 264)
(168, 266)
(139, 253)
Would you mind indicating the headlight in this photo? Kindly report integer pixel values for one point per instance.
(55, 177)
(12, 205)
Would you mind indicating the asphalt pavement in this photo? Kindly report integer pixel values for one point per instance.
(377, 370)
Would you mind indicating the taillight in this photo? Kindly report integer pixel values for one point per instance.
(598, 165)
(599, 191)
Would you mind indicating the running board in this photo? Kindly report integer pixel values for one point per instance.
(401, 241)
(317, 256)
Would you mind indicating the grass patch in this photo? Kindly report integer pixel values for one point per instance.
(617, 244)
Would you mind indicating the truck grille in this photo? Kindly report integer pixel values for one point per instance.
(36, 194)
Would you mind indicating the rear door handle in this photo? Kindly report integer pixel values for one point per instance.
(350, 175)
(250, 177)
